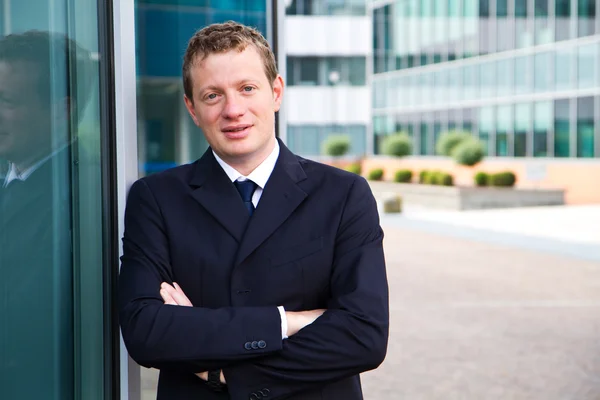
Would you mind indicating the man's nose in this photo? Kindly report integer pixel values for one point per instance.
(234, 107)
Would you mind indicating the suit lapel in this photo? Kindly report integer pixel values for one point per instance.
(215, 192)
(281, 196)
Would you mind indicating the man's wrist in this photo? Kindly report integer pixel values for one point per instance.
(284, 323)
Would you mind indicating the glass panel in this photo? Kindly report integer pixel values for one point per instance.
(561, 128)
(541, 72)
(587, 17)
(471, 82)
(51, 258)
(484, 8)
(453, 7)
(522, 123)
(504, 77)
(521, 9)
(543, 33)
(309, 71)
(522, 83)
(357, 71)
(541, 125)
(487, 79)
(585, 127)
(563, 68)
(562, 9)
(486, 126)
(501, 8)
(425, 137)
(587, 57)
(503, 128)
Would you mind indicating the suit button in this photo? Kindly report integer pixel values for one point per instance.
(254, 345)
(248, 346)
(262, 344)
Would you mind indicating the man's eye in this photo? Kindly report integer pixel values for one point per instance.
(248, 88)
(211, 96)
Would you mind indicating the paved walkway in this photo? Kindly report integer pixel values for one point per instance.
(483, 310)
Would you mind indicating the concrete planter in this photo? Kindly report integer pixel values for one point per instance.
(467, 198)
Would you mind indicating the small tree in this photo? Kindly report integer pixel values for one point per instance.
(448, 141)
(336, 145)
(398, 145)
(468, 152)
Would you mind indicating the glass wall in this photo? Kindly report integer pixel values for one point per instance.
(326, 7)
(166, 134)
(52, 332)
(326, 71)
(524, 91)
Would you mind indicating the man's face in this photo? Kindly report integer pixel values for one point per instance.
(234, 105)
(24, 117)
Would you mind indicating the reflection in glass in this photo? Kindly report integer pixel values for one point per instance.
(503, 129)
(51, 142)
(522, 114)
(585, 127)
(542, 121)
(561, 128)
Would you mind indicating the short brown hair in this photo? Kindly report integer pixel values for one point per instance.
(220, 38)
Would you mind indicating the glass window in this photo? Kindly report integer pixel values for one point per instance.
(439, 8)
(542, 121)
(505, 70)
(357, 74)
(486, 126)
(503, 129)
(543, 32)
(501, 8)
(521, 9)
(562, 10)
(563, 69)
(308, 74)
(522, 114)
(587, 17)
(484, 8)
(540, 8)
(453, 7)
(541, 72)
(587, 60)
(471, 81)
(561, 128)
(470, 8)
(487, 79)
(51, 213)
(426, 136)
(522, 82)
(585, 127)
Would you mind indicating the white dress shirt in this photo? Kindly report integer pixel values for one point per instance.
(260, 176)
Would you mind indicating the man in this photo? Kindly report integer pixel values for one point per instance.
(251, 273)
(38, 103)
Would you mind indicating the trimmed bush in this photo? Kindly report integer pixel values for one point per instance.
(354, 168)
(336, 145)
(375, 174)
(468, 152)
(432, 177)
(403, 176)
(504, 179)
(482, 179)
(398, 145)
(445, 179)
(423, 176)
(448, 141)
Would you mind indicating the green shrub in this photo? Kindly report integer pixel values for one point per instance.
(482, 179)
(336, 145)
(445, 179)
(403, 175)
(423, 176)
(354, 168)
(432, 177)
(375, 174)
(468, 152)
(398, 145)
(448, 141)
(504, 179)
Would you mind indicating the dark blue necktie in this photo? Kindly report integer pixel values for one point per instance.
(246, 189)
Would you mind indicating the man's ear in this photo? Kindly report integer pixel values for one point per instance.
(189, 104)
(278, 86)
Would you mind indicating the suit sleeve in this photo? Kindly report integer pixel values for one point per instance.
(189, 338)
(351, 336)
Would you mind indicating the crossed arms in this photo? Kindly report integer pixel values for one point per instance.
(347, 339)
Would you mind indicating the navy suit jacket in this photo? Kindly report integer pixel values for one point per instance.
(314, 241)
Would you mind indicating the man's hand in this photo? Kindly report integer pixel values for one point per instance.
(297, 320)
(174, 295)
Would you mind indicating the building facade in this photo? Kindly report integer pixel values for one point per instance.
(523, 76)
(327, 48)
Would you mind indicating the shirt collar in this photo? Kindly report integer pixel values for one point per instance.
(260, 175)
